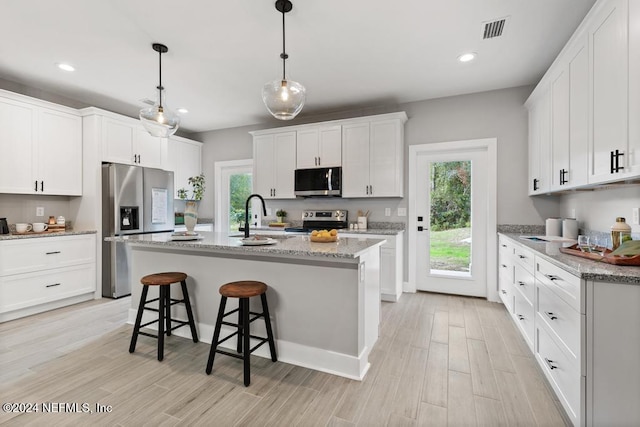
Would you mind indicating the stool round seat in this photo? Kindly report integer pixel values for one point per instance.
(243, 289)
(163, 279)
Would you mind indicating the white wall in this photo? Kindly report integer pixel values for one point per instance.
(499, 114)
(597, 210)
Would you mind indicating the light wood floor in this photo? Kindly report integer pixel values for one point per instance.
(440, 360)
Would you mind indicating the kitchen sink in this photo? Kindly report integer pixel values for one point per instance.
(271, 236)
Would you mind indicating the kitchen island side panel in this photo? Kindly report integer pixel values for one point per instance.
(325, 314)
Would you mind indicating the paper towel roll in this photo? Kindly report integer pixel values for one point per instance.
(570, 228)
(554, 227)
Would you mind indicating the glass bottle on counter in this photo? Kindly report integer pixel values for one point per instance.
(620, 233)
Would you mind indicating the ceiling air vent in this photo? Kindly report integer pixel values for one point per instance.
(493, 29)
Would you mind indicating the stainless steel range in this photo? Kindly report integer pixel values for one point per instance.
(321, 220)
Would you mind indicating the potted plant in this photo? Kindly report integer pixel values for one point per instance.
(191, 205)
(281, 214)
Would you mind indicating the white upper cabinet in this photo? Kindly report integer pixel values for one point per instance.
(125, 141)
(184, 159)
(372, 157)
(594, 89)
(609, 48)
(17, 142)
(578, 71)
(319, 146)
(560, 131)
(59, 153)
(369, 149)
(274, 163)
(540, 144)
(41, 147)
(355, 160)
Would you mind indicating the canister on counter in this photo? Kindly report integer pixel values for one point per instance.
(570, 228)
(620, 233)
(553, 226)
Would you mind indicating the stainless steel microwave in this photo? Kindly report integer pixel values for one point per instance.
(318, 182)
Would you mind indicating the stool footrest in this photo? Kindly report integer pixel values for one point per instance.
(226, 353)
(147, 334)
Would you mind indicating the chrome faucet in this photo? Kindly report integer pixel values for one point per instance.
(246, 212)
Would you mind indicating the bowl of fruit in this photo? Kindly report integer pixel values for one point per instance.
(324, 236)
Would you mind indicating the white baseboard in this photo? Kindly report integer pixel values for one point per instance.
(40, 308)
(340, 364)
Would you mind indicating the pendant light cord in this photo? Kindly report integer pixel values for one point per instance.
(284, 50)
(160, 78)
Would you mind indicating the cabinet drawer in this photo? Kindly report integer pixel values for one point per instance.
(505, 290)
(524, 257)
(524, 282)
(564, 321)
(28, 255)
(26, 290)
(562, 372)
(564, 284)
(524, 315)
(561, 319)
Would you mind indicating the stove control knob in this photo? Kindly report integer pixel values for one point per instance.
(306, 214)
(310, 214)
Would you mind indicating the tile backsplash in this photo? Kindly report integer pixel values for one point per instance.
(22, 208)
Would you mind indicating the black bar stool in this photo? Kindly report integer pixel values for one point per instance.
(243, 290)
(164, 281)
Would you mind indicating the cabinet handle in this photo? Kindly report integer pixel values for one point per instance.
(521, 283)
(521, 256)
(42, 186)
(54, 252)
(371, 190)
(618, 167)
(520, 316)
(563, 174)
(274, 192)
(550, 315)
(504, 292)
(51, 286)
(366, 188)
(551, 277)
(504, 246)
(535, 184)
(139, 159)
(36, 189)
(319, 162)
(550, 364)
(503, 265)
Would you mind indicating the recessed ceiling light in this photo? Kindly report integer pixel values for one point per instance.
(65, 67)
(466, 57)
(182, 110)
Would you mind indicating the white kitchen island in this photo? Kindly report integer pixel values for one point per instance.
(324, 298)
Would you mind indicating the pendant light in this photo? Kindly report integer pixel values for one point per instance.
(284, 98)
(158, 119)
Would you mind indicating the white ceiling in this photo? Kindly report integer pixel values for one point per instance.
(348, 53)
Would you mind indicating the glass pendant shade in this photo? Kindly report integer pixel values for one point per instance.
(284, 98)
(158, 119)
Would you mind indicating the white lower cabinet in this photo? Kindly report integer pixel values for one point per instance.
(47, 272)
(583, 333)
(390, 263)
(524, 313)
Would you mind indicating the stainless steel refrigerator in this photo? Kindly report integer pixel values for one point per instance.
(134, 200)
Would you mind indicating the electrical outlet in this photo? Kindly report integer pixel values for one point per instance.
(39, 211)
(387, 211)
(402, 211)
(635, 218)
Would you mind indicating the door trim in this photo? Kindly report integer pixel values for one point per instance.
(488, 144)
(219, 167)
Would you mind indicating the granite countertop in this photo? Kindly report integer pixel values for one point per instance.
(289, 245)
(581, 267)
(32, 235)
(378, 231)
